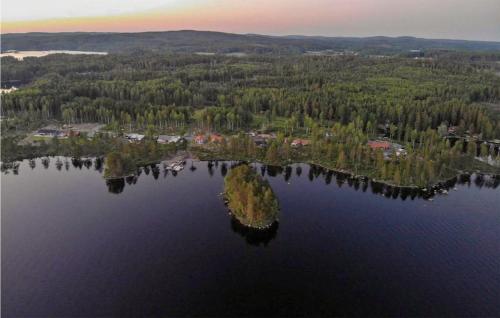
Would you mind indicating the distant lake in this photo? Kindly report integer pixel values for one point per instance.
(20, 55)
(164, 245)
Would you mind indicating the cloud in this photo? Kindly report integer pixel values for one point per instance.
(23, 10)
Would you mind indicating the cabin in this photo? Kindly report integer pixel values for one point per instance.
(267, 136)
(452, 130)
(168, 139)
(416, 53)
(200, 139)
(216, 138)
(134, 137)
(259, 141)
(300, 142)
(50, 133)
(379, 144)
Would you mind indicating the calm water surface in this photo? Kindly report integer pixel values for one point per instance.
(164, 245)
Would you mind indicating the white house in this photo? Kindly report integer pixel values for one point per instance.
(167, 139)
(134, 137)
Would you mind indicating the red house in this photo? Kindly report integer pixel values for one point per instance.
(378, 144)
(216, 138)
(200, 139)
(300, 142)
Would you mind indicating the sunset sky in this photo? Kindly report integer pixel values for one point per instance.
(459, 19)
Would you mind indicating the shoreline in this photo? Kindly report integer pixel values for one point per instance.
(429, 189)
(440, 184)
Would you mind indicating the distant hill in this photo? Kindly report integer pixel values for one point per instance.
(218, 42)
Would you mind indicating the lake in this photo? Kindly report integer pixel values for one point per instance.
(20, 55)
(164, 245)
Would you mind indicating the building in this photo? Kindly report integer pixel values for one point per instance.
(259, 141)
(300, 142)
(200, 139)
(216, 138)
(416, 53)
(50, 133)
(267, 136)
(399, 150)
(168, 139)
(134, 137)
(452, 130)
(7, 90)
(379, 144)
(72, 133)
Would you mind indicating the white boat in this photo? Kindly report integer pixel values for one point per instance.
(177, 168)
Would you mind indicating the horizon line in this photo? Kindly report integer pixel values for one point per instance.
(254, 34)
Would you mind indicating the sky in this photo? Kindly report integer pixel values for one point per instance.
(452, 19)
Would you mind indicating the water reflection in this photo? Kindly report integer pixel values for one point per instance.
(313, 173)
(116, 185)
(32, 163)
(253, 236)
(46, 162)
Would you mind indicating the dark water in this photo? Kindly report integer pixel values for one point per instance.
(165, 245)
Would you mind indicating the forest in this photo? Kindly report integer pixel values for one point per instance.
(190, 41)
(338, 102)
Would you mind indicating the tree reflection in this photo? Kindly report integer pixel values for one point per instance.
(131, 179)
(87, 163)
(253, 236)
(46, 162)
(32, 163)
(156, 171)
(193, 167)
(77, 162)
(210, 167)
(273, 171)
(99, 164)
(59, 164)
(115, 185)
(288, 173)
(298, 171)
(223, 169)
(330, 178)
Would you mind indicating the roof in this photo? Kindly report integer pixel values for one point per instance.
(48, 131)
(134, 136)
(267, 136)
(169, 138)
(216, 137)
(303, 142)
(379, 144)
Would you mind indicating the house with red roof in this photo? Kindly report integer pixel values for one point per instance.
(200, 139)
(300, 142)
(216, 138)
(379, 144)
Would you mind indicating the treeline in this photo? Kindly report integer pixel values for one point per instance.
(218, 92)
(428, 159)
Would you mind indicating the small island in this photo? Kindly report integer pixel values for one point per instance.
(250, 198)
